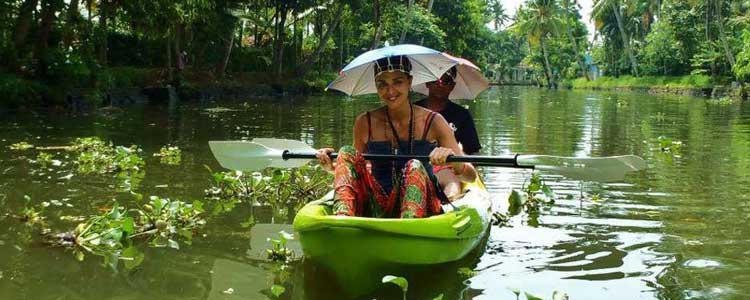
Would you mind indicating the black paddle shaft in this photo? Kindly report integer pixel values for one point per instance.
(480, 160)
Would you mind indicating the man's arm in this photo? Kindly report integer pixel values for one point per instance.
(467, 135)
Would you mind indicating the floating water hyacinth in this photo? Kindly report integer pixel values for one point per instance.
(161, 222)
(96, 156)
(169, 155)
(20, 146)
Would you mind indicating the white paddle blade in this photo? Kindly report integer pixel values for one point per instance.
(603, 169)
(250, 156)
(242, 155)
(284, 144)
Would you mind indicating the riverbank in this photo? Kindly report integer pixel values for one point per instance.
(120, 86)
(689, 85)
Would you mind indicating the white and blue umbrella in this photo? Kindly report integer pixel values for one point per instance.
(358, 77)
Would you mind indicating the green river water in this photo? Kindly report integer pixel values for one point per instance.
(678, 230)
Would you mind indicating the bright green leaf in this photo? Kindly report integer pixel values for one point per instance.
(277, 290)
(399, 281)
(531, 297)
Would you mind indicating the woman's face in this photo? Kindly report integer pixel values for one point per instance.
(393, 87)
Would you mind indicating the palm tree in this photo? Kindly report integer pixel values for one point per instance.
(538, 20)
(599, 12)
(497, 13)
(568, 16)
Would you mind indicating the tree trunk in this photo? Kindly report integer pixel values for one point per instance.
(723, 36)
(72, 17)
(378, 27)
(278, 48)
(170, 73)
(341, 46)
(104, 10)
(311, 59)
(241, 35)
(229, 42)
(23, 23)
(625, 40)
(429, 10)
(49, 8)
(21, 31)
(409, 12)
(548, 70)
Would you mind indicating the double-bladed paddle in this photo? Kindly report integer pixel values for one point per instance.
(261, 153)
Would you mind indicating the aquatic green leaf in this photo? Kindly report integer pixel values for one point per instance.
(138, 196)
(286, 236)
(160, 241)
(198, 206)
(128, 225)
(113, 237)
(157, 203)
(79, 255)
(111, 259)
(249, 223)
(533, 187)
(186, 233)
(531, 297)
(399, 281)
(515, 291)
(548, 192)
(467, 272)
(516, 200)
(277, 290)
(558, 295)
(173, 244)
(132, 257)
(114, 213)
(439, 297)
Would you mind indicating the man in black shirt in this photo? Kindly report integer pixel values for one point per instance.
(460, 120)
(457, 116)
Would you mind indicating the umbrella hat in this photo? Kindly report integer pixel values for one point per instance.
(358, 77)
(469, 80)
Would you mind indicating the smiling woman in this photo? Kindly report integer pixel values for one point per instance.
(394, 188)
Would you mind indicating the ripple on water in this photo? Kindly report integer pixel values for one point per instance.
(701, 263)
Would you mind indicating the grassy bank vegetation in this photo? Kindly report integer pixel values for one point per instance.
(686, 82)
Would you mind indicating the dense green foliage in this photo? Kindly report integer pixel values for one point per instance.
(637, 38)
(50, 47)
(104, 44)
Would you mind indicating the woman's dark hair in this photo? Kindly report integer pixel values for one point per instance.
(393, 63)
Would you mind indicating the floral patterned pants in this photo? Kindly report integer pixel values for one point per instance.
(357, 192)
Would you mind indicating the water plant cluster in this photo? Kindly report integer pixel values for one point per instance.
(529, 199)
(279, 251)
(668, 145)
(20, 146)
(169, 155)
(95, 156)
(112, 235)
(118, 233)
(285, 190)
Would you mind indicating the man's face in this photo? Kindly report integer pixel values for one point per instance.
(443, 87)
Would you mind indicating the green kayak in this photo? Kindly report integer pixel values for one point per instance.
(359, 251)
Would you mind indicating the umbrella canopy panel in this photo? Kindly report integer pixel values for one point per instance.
(358, 77)
(469, 81)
